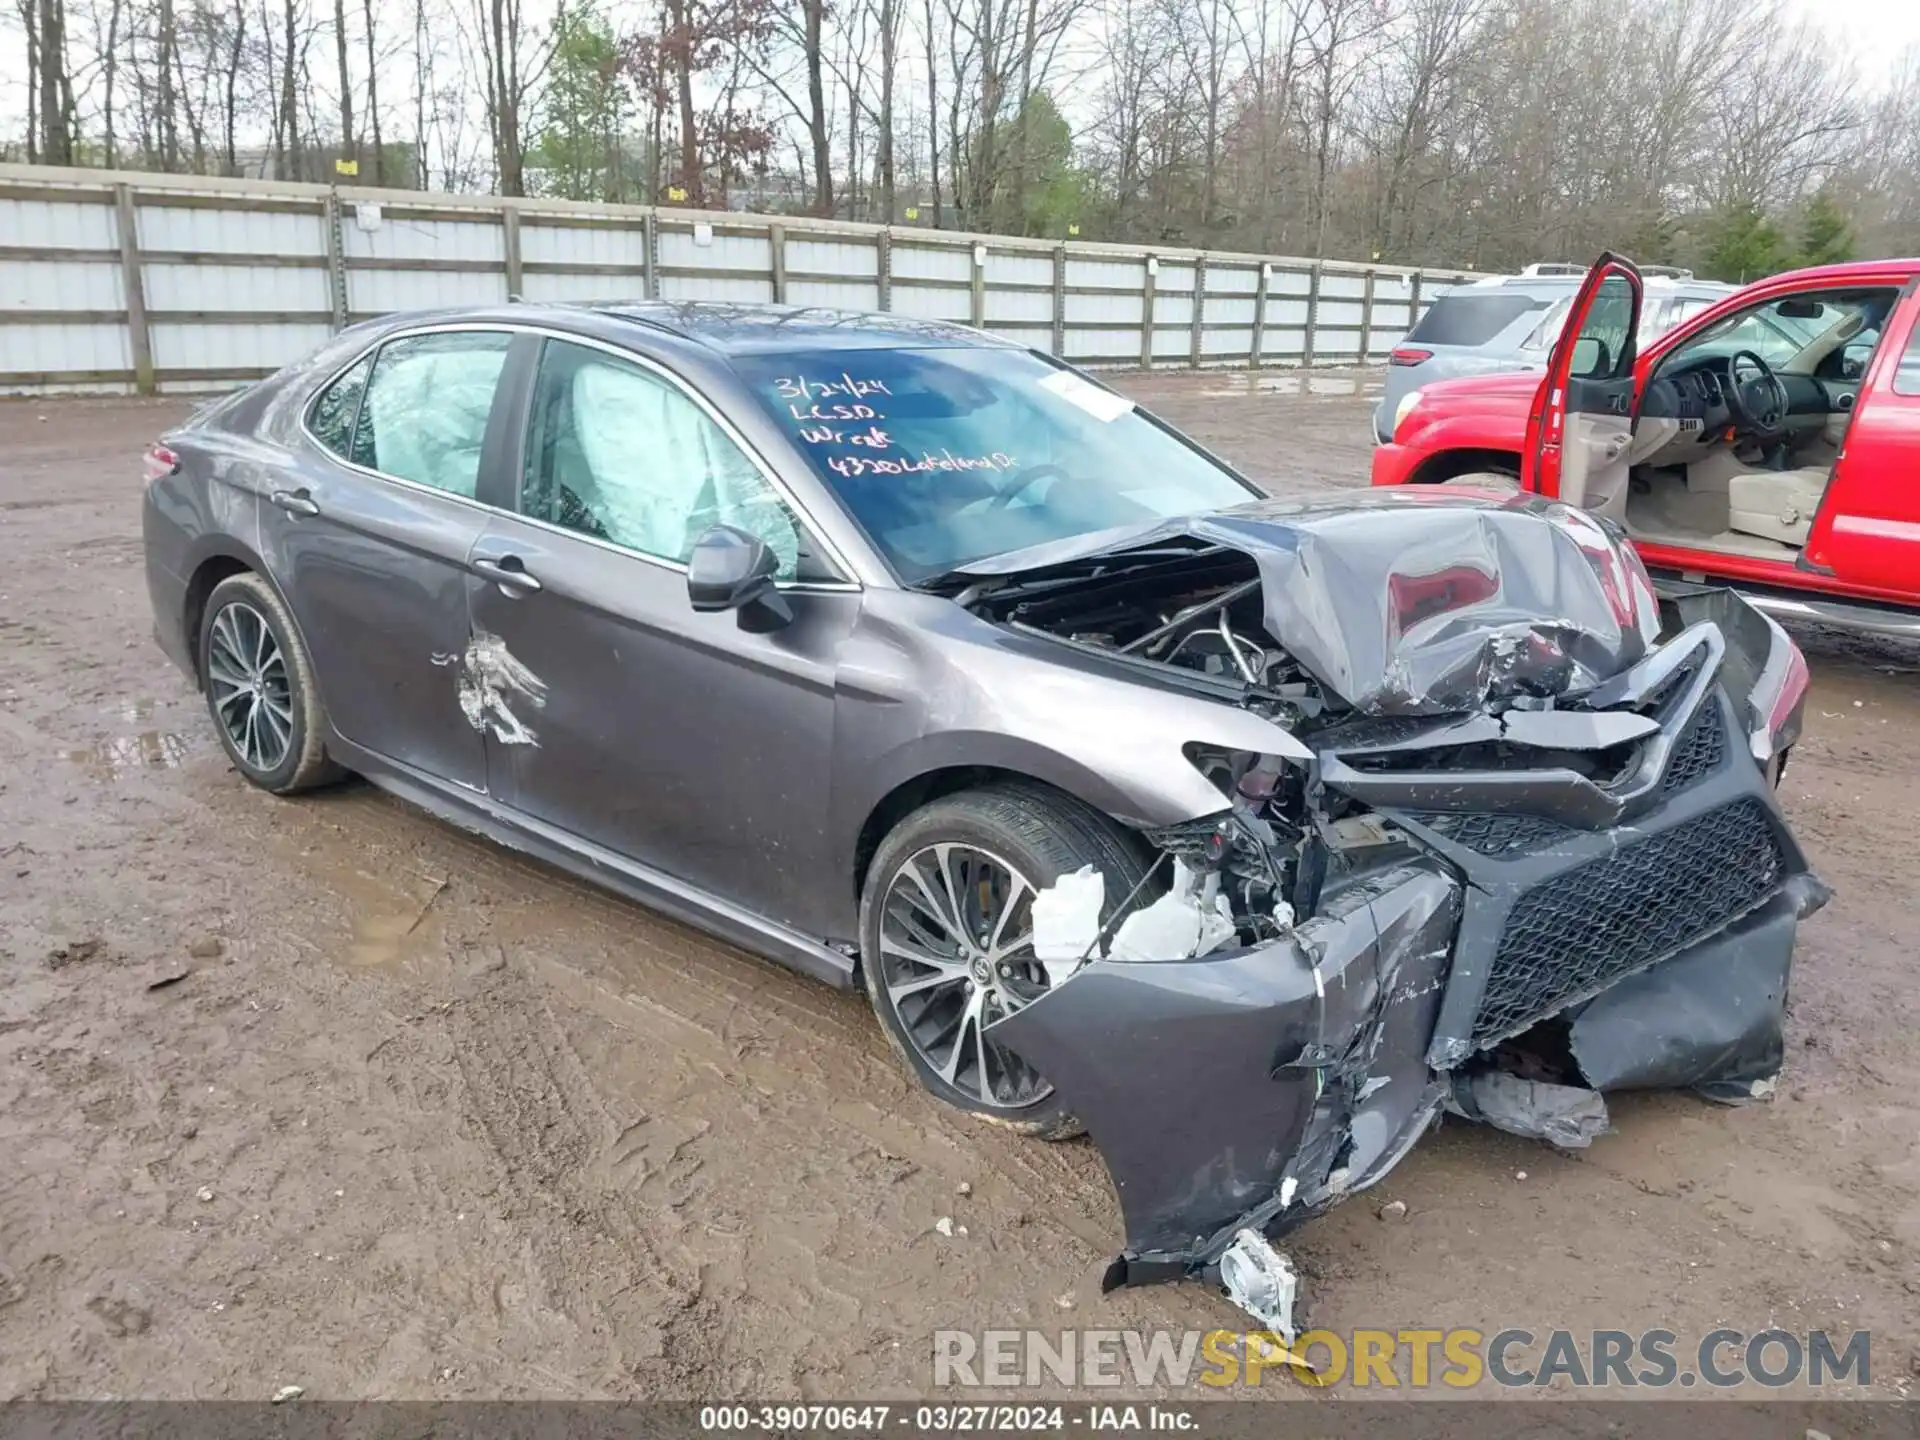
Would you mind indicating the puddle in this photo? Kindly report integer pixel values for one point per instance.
(393, 925)
(120, 754)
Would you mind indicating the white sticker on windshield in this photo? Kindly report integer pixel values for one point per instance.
(1101, 404)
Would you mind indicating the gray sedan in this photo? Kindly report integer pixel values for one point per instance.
(1246, 835)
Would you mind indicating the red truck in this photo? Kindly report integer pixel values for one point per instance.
(1770, 443)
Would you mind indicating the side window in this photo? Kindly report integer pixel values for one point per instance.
(424, 417)
(1906, 376)
(1601, 351)
(620, 454)
(338, 406)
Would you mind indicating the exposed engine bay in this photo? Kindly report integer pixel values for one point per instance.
(1535, 857)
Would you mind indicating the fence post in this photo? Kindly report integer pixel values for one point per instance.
(977, 300)
(510, 243)
(139, 342)
(1313, 316)
(336, 264)
(650, 232)
(1366, 319)
(1199, 309)
(1146, 313)
(777, 242)
(1413, 312)
(1259, 317)
(885, 267)
(1060, 300)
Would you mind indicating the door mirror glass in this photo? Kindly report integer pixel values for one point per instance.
(1589, 356)
(730, 570)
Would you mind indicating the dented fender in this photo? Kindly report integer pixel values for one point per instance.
(1252, 1087)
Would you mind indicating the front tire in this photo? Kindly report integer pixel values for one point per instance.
(258, 680)
(946, 940)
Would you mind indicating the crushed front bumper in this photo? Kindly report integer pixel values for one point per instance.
(1644, 927)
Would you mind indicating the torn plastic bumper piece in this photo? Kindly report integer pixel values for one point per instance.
(1249, 1089)
(1710, 1019)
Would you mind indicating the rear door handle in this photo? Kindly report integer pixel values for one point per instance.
(508, 573)
(295, 502)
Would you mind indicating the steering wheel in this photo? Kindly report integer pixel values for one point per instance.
(1028, 478)
(1759, 401)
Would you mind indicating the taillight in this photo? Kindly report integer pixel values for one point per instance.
(1408, 355)
(160, 463)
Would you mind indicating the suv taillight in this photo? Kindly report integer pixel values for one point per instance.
(160, 463)
(1406, 355)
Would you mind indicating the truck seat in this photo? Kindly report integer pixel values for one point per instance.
(1775, 504)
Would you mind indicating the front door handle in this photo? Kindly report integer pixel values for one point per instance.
(508, 573)
(295, 502)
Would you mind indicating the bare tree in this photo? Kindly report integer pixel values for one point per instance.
(348, 150)
(373, 95)
(55, 85)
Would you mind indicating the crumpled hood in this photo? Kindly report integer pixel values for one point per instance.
(1421, 602)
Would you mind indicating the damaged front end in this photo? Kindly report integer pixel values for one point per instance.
(1535, 856)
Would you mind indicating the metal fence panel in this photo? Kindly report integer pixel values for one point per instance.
(111, 280)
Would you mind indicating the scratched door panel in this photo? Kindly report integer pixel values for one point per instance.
(681, 740)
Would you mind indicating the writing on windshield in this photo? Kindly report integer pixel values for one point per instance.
(843, 411)
(950, 453)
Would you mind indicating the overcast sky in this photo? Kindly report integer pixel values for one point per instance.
(1872, 32)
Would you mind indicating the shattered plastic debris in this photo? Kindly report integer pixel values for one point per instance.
(490, 677)
(1563, 1115)
(1066, 922)
(1191, 919)
(1261, 1281)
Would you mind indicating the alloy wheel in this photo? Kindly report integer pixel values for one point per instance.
(956, 954)
(247, 682)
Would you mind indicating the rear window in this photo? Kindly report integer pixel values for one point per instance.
(1471, 319)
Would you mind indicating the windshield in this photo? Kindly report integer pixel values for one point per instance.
(947, 456)
(1796, 332)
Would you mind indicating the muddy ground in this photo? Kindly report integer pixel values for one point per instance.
(421, 1119)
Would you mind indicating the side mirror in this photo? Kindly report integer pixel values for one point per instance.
(1589, 358)
(732, 570)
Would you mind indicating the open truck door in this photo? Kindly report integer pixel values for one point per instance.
(1867, 530)
(1581, 427)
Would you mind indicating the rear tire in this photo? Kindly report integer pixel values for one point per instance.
(999, 844)
(258, 680)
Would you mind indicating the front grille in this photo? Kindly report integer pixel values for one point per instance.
(1700, 749)
(1496, 835)
(1589, 926)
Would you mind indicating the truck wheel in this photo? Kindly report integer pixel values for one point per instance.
(946, 938)
(1486, 480)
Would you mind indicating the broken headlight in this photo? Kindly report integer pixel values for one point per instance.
(1237, 856)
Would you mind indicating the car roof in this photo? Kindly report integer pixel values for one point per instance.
(1868, 270)
(745, 328)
